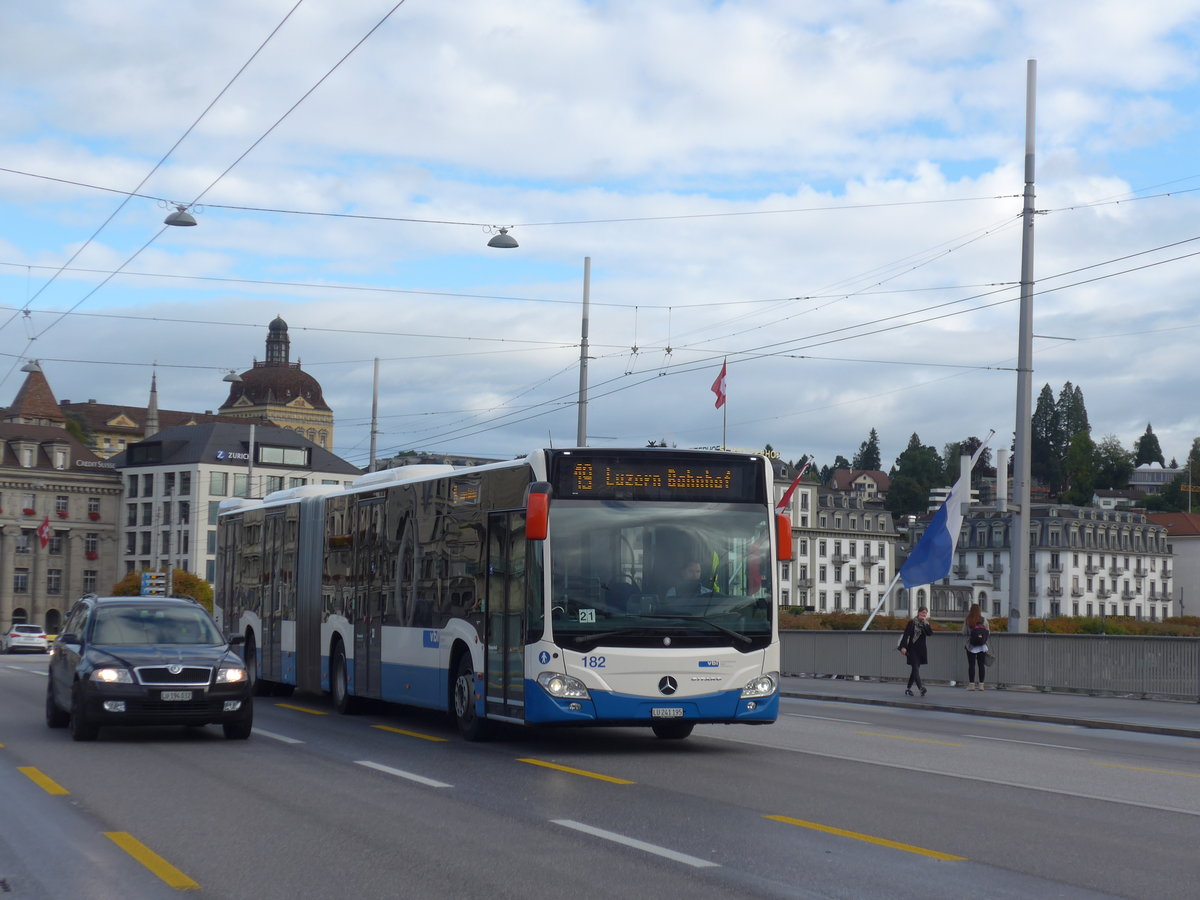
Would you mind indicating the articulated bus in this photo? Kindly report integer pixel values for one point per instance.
(570, 587)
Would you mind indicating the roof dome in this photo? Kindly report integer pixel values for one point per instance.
(266, 384)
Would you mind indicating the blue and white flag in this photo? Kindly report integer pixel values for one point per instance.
(931, 559)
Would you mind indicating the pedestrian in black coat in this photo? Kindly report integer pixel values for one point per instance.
(912, 645)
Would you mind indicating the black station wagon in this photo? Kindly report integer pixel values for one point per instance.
(145, 661)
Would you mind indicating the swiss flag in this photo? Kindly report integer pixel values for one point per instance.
(718, 386)
(43, 532)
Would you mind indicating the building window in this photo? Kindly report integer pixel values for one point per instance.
(23, 541)
(93, 507)
(297, 482)
(214, 507)
(130, 515)
(185, 484)
(56, 543)
(91, 542)
(148, 485)
(185, 512)
(89, 581)
(218, 484)
(241, 485)
(145, 543)
(131, 543)
(274, 483)
(60, 506)
(54, 581)
(20, 581)
(212, 542)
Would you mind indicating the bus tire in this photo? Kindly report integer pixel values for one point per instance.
(258, 687)
(339, 682)
(466, 716)
(672, 731)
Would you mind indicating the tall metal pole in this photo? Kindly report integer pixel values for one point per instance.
(581, 431)
(1018, 586)
(374, 415)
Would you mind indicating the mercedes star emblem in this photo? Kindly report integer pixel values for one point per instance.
(668, 685)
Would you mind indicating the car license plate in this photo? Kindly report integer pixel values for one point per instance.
(667, 712)
(176, 695)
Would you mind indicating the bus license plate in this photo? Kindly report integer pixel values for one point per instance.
(176, 695)
(667, 712)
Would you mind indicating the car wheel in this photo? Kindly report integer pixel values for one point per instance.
(470, 725)
(672, 731)
(82, 728)
(339, 683)
(240, 729)
(55, 717)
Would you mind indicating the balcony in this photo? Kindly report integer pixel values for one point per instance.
(1091, 570)
(870, 560)
(1140, 571)
(1129, 595)
(1166, 572)
(804, 584)
(960, 570)
(1055, 568)
(1054, 590)
(1115, 571)
(995, 569)
(1076, 592)
(838, 559)
(1103, 593)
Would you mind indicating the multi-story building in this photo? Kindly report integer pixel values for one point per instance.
(1084, 561)
(175, 480)
(58, 511)
(843, 553)
(1183, 540)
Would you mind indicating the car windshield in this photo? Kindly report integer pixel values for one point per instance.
(132, 625)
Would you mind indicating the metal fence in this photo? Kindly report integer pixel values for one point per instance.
(1167, 667)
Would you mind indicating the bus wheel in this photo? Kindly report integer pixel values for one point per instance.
(258, 687)
(470, 725)
(672, 731)
(339, 683)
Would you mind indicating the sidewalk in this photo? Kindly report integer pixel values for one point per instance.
(1170, 717)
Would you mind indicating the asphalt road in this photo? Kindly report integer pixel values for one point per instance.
(835, 800)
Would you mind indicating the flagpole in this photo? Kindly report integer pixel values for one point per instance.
(882, 600)
(724, 424)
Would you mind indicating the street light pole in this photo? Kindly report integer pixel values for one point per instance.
(581, 429)
(1021, 513)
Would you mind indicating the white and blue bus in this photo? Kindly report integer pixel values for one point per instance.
(571, 587)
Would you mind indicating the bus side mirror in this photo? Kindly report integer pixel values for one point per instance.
(783, 537)
(537, 511)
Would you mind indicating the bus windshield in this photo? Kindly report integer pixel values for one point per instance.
(653, 574)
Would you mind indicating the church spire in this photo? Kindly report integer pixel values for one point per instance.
(152, 408)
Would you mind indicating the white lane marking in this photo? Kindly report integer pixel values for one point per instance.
(400, 773)
(694, 861)
(825, 718)
(277, 737)
(980, 737)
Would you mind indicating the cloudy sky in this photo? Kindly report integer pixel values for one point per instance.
(825, 194)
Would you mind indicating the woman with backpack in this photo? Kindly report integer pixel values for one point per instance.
(912, 645)
(975, 629)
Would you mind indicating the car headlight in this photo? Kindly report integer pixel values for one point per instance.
(230, 674)
(112, 675)
(563, 686)
(762, 686)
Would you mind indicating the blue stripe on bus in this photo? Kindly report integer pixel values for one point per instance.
(606, 706)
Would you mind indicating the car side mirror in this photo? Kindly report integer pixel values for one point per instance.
(235, 639)
(69, 638)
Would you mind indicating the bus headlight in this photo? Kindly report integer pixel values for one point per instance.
(563, 686)
(762, 686)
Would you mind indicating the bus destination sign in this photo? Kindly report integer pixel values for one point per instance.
(655, 478)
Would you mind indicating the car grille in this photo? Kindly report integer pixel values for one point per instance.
(196, 676)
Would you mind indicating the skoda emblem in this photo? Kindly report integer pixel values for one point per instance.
(668, 685)
(174, 668)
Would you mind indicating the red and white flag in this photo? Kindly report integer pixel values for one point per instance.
(718, 386)
(43, 532)
(782, 505)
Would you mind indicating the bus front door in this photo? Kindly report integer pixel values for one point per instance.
(505, 676)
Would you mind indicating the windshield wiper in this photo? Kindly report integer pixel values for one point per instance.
(707, 621)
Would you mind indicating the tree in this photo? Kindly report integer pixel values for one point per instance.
(1046, 441)
(840, 462)
(183, 584)
(1146, 449)
(1081, 470)
(867, 457)
(966, 447)
(1113, 464)
(918, 469)
(1072, 414)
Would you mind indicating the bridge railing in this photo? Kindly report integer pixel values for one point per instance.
(1126, 665)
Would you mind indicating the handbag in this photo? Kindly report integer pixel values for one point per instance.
(988, 658)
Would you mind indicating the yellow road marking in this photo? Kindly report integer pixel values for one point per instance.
(1151, 771)
(303, 709)
(569, 770)
(870, 839)
(152, 861)
(416, 734)
(45, 782)
(896, 737)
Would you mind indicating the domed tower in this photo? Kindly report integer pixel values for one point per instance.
(280, 391)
